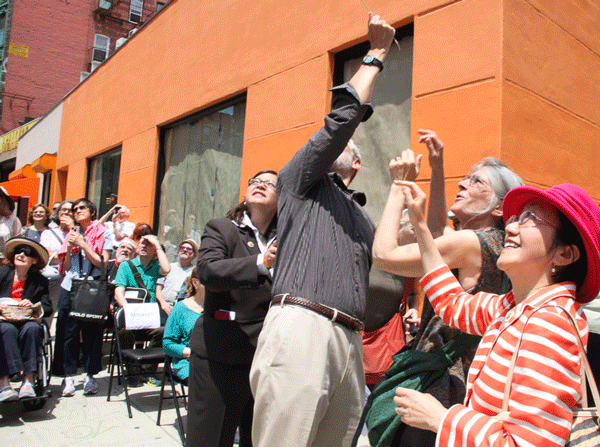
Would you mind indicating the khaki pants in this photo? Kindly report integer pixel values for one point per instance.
(307, 379)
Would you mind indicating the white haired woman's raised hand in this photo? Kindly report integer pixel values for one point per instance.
(434, 146)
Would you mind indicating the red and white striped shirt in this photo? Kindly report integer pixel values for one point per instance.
(546, 384)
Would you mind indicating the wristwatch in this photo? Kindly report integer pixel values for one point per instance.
(372, 60)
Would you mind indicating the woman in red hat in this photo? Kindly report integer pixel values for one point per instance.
(552, 256)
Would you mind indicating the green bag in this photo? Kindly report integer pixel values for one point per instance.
(412, 369)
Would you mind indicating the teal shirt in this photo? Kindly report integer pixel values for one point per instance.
(149, 276)
(178, 331)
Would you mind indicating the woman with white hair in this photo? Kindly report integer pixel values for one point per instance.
(471, 251)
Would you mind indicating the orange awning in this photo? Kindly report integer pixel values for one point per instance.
(45, 163)
(24, 187)
(23, 172)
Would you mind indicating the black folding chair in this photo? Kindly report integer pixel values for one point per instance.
(169, 375)
(130, 361)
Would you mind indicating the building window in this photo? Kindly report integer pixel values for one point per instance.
(201, 158)
(103, 180)
(105, 4)
(2, 27)
(136, 9)
(160, 6)
(101, 46)
(388, 131)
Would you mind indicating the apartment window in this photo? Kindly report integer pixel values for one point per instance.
(388, 131)
(201, 158)
(136, 8)
(103, 180)
(2, 28)
(105, 4)
(101, 46)
(160, 5)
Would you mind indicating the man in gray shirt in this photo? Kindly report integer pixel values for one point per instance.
(307, 376)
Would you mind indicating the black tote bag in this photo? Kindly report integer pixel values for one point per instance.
(91, 298)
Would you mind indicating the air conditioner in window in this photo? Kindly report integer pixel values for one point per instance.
(95, 64)
(83, 75)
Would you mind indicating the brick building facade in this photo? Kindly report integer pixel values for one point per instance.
(49, 46)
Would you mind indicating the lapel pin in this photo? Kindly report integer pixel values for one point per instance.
(250, 244)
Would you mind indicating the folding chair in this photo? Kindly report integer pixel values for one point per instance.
(133, 359)
(169, 375)
(132, 295)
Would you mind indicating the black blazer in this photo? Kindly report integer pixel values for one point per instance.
(35, 288)
(227, 268)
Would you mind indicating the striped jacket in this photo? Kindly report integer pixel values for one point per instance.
(546, 383)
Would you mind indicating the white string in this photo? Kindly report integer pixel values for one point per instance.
(368, 10)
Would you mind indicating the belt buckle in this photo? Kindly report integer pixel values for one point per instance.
(285, 295)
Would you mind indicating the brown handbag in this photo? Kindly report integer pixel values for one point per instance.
(585, 430)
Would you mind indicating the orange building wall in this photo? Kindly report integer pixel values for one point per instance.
(474, 81)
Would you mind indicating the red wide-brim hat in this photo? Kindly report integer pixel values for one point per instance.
(577, 205)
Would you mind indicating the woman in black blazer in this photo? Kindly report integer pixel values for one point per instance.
(235, 264)
(21, 280)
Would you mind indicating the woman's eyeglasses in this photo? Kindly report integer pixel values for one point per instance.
(475, 180)
(527, 216)
(65, 210)
(27, 251)
(257, 181)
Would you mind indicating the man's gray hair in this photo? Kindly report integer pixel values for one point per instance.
(354, 149)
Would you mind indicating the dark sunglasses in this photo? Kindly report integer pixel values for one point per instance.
(27, 251)
(80, 207)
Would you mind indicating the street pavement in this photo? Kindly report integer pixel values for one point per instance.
(92, 421)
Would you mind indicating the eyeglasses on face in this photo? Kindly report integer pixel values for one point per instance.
(65, 210)
(80, 208)
(527, 216)
(475, 180)
(257, 181)
(186, 249)
(27, 251)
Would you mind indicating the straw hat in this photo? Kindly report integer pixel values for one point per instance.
(577, 206)
(194, 245)
(13, 243)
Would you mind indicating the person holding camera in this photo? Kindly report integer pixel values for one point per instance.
(84, 248)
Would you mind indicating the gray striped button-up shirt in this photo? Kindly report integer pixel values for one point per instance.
(324, 235)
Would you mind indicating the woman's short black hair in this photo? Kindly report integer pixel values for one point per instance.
(90, 206)
(567, 234)
(237, 212)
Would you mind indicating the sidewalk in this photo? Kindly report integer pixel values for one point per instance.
(91, 420)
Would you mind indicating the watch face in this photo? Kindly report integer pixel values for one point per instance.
(368, 59)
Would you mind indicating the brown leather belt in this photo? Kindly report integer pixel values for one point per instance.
(332, 314)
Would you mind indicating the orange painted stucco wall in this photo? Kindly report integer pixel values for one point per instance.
(482, 78)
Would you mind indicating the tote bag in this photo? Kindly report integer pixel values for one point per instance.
(90, 298)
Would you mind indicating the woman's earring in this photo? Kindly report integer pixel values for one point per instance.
(553, 270)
